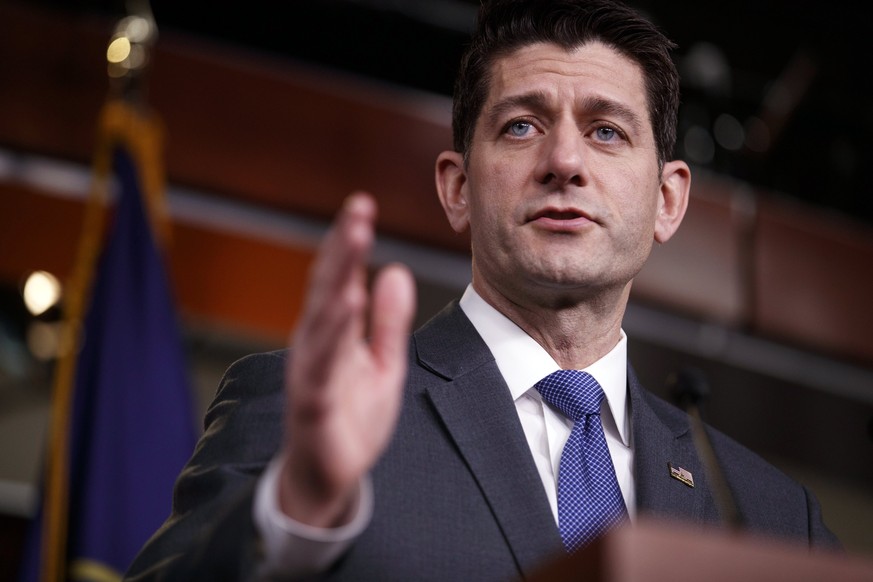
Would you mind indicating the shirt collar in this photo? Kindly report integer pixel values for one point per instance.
(523, 362)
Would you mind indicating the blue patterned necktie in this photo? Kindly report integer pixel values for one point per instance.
(589, 499)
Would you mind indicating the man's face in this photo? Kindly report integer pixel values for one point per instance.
(561, 189)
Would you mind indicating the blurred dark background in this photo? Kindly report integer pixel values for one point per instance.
(773, 92)
(275, 111)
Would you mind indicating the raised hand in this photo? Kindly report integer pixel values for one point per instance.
(345, 382)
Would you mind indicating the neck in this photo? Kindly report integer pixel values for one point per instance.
(576, 332)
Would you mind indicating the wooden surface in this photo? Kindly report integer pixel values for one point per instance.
(652, 551)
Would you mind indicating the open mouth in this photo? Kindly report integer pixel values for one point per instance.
(555, 214)
(561, 215)
(564, 220)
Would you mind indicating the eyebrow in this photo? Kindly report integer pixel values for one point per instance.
(600, 105)
(539, 101)
(535, 101)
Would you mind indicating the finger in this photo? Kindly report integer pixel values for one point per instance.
(334, 314)
(392, 310)
(337, 288)
(344, 250)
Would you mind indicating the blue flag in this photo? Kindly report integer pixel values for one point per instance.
(131, 422)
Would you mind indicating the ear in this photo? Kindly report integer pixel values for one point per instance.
(673, 200)
(451, 183)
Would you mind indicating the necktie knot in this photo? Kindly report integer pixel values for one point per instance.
(573, 392)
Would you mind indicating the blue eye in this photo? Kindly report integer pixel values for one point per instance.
(606, 133)
(519, 128)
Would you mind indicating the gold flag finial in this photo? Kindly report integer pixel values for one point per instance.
(129, 49)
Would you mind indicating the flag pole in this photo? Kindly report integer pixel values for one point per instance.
(123, 119)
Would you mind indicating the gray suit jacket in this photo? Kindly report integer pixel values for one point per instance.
(457, 493)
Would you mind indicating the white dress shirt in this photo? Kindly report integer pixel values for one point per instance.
(522, 363)
(295, 549)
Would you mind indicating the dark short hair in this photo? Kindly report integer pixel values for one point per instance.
(504, 26)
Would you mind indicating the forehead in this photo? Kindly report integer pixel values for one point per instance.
(569, 75)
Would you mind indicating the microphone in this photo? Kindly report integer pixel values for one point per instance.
(690, 389)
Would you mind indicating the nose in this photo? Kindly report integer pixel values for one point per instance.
(561, 159)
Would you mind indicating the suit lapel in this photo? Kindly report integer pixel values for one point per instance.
(480, 416)
(662, 438)
(478, 412)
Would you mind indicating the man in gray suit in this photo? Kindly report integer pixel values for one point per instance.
(369, 454)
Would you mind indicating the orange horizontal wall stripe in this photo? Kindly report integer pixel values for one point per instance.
(244, 283)
(37, 231)
(240, 284)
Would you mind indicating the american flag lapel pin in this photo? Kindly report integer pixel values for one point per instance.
(681, 474)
